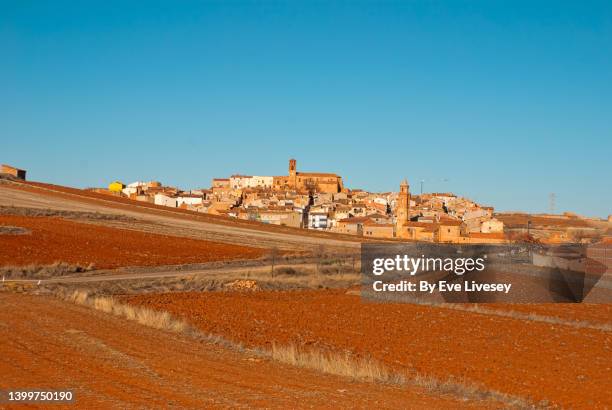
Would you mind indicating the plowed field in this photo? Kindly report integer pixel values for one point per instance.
(564, 365)
(55, 239)
(592, 313)
(113, 363)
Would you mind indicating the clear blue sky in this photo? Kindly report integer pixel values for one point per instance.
(500, 101)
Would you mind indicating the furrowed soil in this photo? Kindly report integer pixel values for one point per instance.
(563, 365)
(596, 314)
(54, 239)
(109, 362)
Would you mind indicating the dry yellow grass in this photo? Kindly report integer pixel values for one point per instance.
(144, 316)
(34, 271)
(336, 364)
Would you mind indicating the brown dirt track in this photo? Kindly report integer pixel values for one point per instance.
(112, 363)
(567, 366)
(55, 239)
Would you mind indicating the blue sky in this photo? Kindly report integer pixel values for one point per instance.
(500, 101)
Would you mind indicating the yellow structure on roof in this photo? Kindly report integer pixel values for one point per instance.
(116, 186)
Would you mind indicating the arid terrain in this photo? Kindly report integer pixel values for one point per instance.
(109, 362)
(448, 356)
(515, 356)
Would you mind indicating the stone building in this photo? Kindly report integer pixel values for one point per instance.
(15, 172)
(308, 181)
(403, 211)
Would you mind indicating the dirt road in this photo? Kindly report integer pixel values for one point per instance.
(119, 275)
(109, 362)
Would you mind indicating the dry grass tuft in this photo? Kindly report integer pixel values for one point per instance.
(43, 271)
(469, 391)
(144, 316)
(369, 370)
(337, 364)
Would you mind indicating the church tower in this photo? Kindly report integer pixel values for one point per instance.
(292, 173)
(402, 209)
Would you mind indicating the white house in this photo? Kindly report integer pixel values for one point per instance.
(317, 220)
(380, 200)
(189, 199)
(239, 181)
(165, 200)
(129, 190)
(260, 182)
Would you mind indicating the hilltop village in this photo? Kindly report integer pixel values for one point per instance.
(320, 201)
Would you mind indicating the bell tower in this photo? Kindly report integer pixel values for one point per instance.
(403, 208)
(292, 173)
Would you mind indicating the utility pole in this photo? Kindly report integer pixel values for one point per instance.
(422, 181)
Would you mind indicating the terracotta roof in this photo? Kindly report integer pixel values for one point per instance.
(316, 174)
(358, 219)
(485, 235)
(373, 223)
(377, 215)
(277, 212)
(449, 222)
(442, 194)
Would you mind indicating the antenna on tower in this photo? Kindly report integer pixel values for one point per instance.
(552, 199)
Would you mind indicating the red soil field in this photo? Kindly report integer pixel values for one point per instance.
(567, 366)
(54, 239)
(112, 363)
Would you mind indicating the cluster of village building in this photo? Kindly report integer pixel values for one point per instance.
(320, 201)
